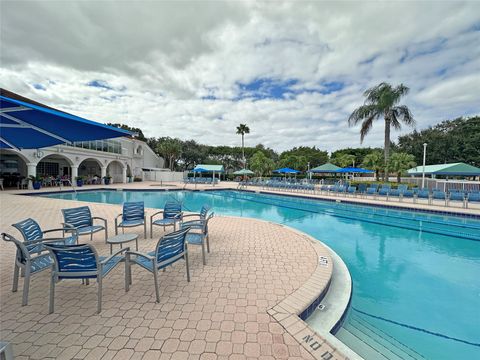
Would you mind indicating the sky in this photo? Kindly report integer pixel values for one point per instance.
(292, 71)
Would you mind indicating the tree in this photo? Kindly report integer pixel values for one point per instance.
(297, 162)
(344, 160)
(400, 162)
(192, 153)
(374, 161)
(243, 129)
(261, 164)
(170, 149)
(381, 101)
(312, 155)
(449, 141)
(138, 131)
(359, 153)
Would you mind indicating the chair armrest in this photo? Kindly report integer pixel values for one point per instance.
(100, 218)
(155, 214)
(191, 215)
(148, 257)
(68, 228)
(179, 215)
(119, 251)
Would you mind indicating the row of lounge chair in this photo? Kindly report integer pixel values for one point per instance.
(280, 185)
(200, 180)
(68, 259)
(402, 192)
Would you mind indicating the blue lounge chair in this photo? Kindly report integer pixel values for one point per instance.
(81, 262)
(423, 194)
(407, 194)
(198, 234)
(31, 231)
(170, 248)
(439, 195)
(472, 197)
(352, 190)
(172, 213)
(81, 219)
(133, 215)
(384, 190)
(372, 190)
(456, 196)
(362, 188)
(28, 262)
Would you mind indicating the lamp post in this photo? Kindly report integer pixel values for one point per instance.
(424, 159)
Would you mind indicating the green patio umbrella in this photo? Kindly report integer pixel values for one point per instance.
(244, 172)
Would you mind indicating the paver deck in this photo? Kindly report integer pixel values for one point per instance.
(235, 307)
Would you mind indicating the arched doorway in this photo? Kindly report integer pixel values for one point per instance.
(90, 168)
(55, 165)
(13, 168)
(115, 170)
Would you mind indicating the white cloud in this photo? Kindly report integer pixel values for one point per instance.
(161, 58)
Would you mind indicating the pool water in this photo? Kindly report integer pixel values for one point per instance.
(415, 274)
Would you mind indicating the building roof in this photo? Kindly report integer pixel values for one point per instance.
(454, 169)
(216, 168)
(326, 168)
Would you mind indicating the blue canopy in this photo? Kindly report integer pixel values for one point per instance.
(200, 170)
(286, 171)
(27, 126)
(355, 170)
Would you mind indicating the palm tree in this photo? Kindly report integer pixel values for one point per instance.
(382, 100)
(400, 162)
(344, 160)
(374, 161)
(243, 129)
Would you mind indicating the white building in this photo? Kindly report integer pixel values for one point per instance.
(118, 158)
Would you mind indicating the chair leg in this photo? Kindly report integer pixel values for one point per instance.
(127, 272)
(203, 253)
(116, 227)
(91, 236)
(145, 229)
(155, 280)
(16, 273)
(208, 243)
(187, 265)
(99, 303)
(26, 287)
(151, 229)
(106, 233)
(52, 294)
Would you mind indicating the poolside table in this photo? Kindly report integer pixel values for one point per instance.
(122, 239)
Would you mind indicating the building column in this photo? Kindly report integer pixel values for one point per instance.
(104, 173)
(74, 170)
(124, 174)
(31, 171)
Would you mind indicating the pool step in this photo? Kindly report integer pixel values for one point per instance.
(371, 343)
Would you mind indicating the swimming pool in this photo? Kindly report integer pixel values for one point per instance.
(415, 274)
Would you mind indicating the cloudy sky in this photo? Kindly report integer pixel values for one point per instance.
(292, 71)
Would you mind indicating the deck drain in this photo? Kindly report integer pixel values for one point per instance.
(321, 307)
(323, 261)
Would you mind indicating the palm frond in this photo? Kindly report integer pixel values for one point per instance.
(366, 126)
(361, 113)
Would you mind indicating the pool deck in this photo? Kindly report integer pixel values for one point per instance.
(243, 304)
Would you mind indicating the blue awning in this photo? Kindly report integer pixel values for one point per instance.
(27, 126)
(286, 171)
(355, 170)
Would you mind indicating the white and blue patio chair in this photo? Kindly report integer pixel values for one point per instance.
(457, 196)
(198, 234)
(31, 231)
(30, 263)
(81, 262)
(81, 219)
(133, 215)
(171, 248)
(172, 213)
(472, 197)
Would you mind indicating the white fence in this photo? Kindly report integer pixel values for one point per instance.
(163, 176)
(443, 184)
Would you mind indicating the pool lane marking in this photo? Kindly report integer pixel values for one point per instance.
(332, 212)
(377, 212)
(416, 328)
